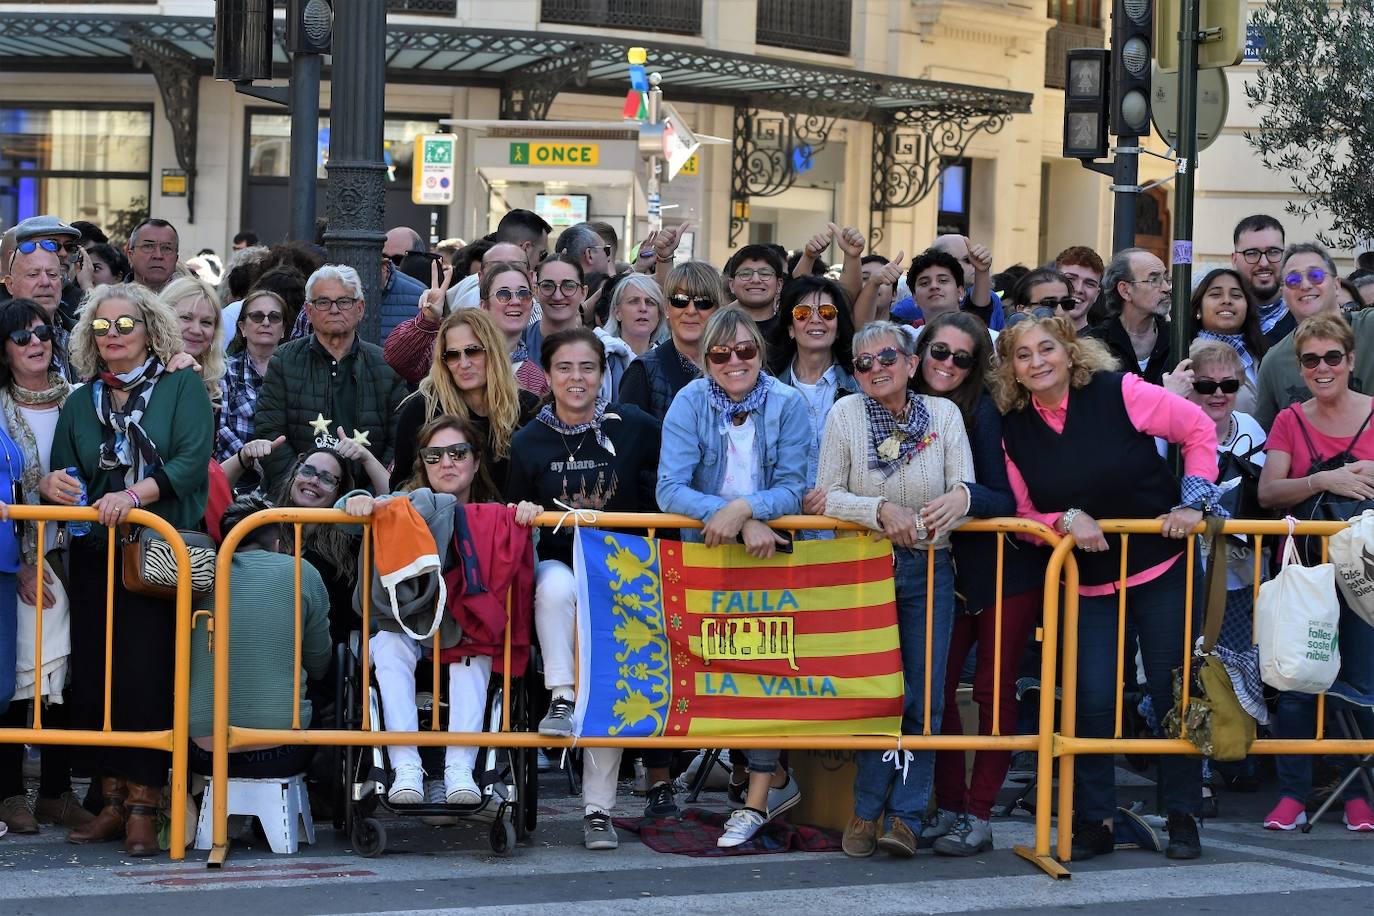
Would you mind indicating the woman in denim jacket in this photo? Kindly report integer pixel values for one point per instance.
(734, 456)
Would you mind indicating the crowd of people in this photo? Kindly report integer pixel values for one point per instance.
(513, 378)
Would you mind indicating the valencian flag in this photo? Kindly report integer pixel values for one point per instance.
(682, 639)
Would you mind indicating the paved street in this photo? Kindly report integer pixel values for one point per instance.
(437, 870)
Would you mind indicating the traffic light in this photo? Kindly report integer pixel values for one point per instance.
(1086, 83)
(243, 39)
(1132, 52)
(309, 26)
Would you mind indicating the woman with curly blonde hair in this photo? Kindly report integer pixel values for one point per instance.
(1080, 445)
(464, 382)
(139, 436)
(197, 308)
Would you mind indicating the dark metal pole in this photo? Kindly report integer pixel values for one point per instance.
(305, 126)
(1124, 203)
(1187, 165)
(357, 173)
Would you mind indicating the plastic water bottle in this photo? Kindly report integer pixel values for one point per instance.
(78, 529)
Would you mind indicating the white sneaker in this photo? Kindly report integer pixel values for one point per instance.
(434, 795)
(741, 827)
(407, 785)
(460, 787)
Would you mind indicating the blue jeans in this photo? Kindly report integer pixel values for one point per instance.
(1295, 714)
(904, 790)
(1157, 610)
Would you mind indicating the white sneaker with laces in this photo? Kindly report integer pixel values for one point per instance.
(741, 827)
(407, 785)
(434, 795)
(461, 787)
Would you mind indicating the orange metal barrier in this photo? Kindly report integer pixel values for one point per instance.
(1067, 745)
(227, 737)
(172, 740)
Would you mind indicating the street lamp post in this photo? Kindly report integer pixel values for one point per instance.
(357, 172)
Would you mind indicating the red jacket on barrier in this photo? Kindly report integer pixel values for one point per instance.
(490, 556)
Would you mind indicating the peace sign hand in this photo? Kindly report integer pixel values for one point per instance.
(433, 300)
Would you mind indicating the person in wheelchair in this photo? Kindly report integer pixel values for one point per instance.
(472, 620)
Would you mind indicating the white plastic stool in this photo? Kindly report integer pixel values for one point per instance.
(280, 805)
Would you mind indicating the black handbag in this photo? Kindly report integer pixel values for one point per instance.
(1325, 506)
(1241, 500)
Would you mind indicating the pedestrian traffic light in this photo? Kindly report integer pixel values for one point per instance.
(309, 26)
(243, 40)
(1086, 83)
(1132, 52)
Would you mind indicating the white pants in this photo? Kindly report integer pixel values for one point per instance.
(394, 656)
(555, 607)
(600, 778)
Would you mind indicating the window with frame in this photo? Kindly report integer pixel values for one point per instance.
(1087, 13)
(91, 162)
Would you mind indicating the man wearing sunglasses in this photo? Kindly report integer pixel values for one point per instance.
(585, 244)
(1139, 296)
(1311, 287)
(53, 235)
(400, 292)
(1258, 248)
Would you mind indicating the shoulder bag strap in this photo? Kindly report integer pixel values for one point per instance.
(1317, 459)
(1349, 449)
(1215, 587)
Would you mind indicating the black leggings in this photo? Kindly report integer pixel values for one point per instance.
(55, 775)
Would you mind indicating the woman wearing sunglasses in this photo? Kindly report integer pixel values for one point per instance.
(955, 354)
(260, 330)
(1080, 445)
(580, 452)
(1334, 424)
(735, 447)
(810, 350)
(1043, 288)
(692, 292)
(888, 459)
(446, 471)
(140, 437)
(1223, 312)
(509, 299)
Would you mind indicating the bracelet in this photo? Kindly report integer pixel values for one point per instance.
(138, 503)
(661, 259)
(1309, 483)
(240, 457)
(1069, 517)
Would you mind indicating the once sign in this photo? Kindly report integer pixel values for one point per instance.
(580, 154)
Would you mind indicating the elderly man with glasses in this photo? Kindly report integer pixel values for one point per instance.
(400, 293)
(1138, 290)
(329, 385)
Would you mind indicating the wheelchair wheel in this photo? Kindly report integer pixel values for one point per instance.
(369, 837)
(502, 833)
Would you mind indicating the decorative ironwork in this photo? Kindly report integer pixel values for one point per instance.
(528, 92)
(806, 25)
(768, 152)
(679, 16)
(178, 80)
(423, 7)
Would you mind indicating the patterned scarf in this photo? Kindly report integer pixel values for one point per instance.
(125, 444)
(1235, 342)
(549, 418)
(892, 442)
(520, 354)
(729, 409)
(11, 399)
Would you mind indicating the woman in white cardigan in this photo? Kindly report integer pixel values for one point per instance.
(897, 462)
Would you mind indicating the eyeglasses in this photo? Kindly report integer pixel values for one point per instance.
(1067, 303)
(471, 351)
(1330, 357)
(608, 250)
(886, 357)
(343, 304)
(166, 248)
(396, 259)
(310, 472)
(941, 352)
(827, 312)
(720, 355)
(567, 287)
(749, 273)
(264, 317)
(1038, 311)
(122, 325)
(1154, 279)
(702, 304)
(1315, 275)
(1252, 255)
(455, 453)
(22, 336)
(504, 296)
(1227, 385)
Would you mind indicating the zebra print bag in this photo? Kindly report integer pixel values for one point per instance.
(150, 567)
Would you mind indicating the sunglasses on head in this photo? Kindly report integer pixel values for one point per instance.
(885, 357)
(720, 355)
(940, 352)
(22, 336)
(1330, 357)
(1315, 275)
(1210, 386)
(471, 351)
(681, 302)
(122, 325)
(310, 472)
(32, 245)
(827, 312)
(435, 453)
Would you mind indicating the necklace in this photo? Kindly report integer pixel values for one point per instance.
(1230, 429)
(573, 453)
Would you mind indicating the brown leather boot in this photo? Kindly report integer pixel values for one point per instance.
(109, 823)
(140, 829)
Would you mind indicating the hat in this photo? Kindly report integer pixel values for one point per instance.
(43, 226)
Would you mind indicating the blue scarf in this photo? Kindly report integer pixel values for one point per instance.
(892, 442)
(729, 409)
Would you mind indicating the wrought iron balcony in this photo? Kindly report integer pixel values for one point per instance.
(1059, 41)
(681, 17)
(423, 7)
(805, 25)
